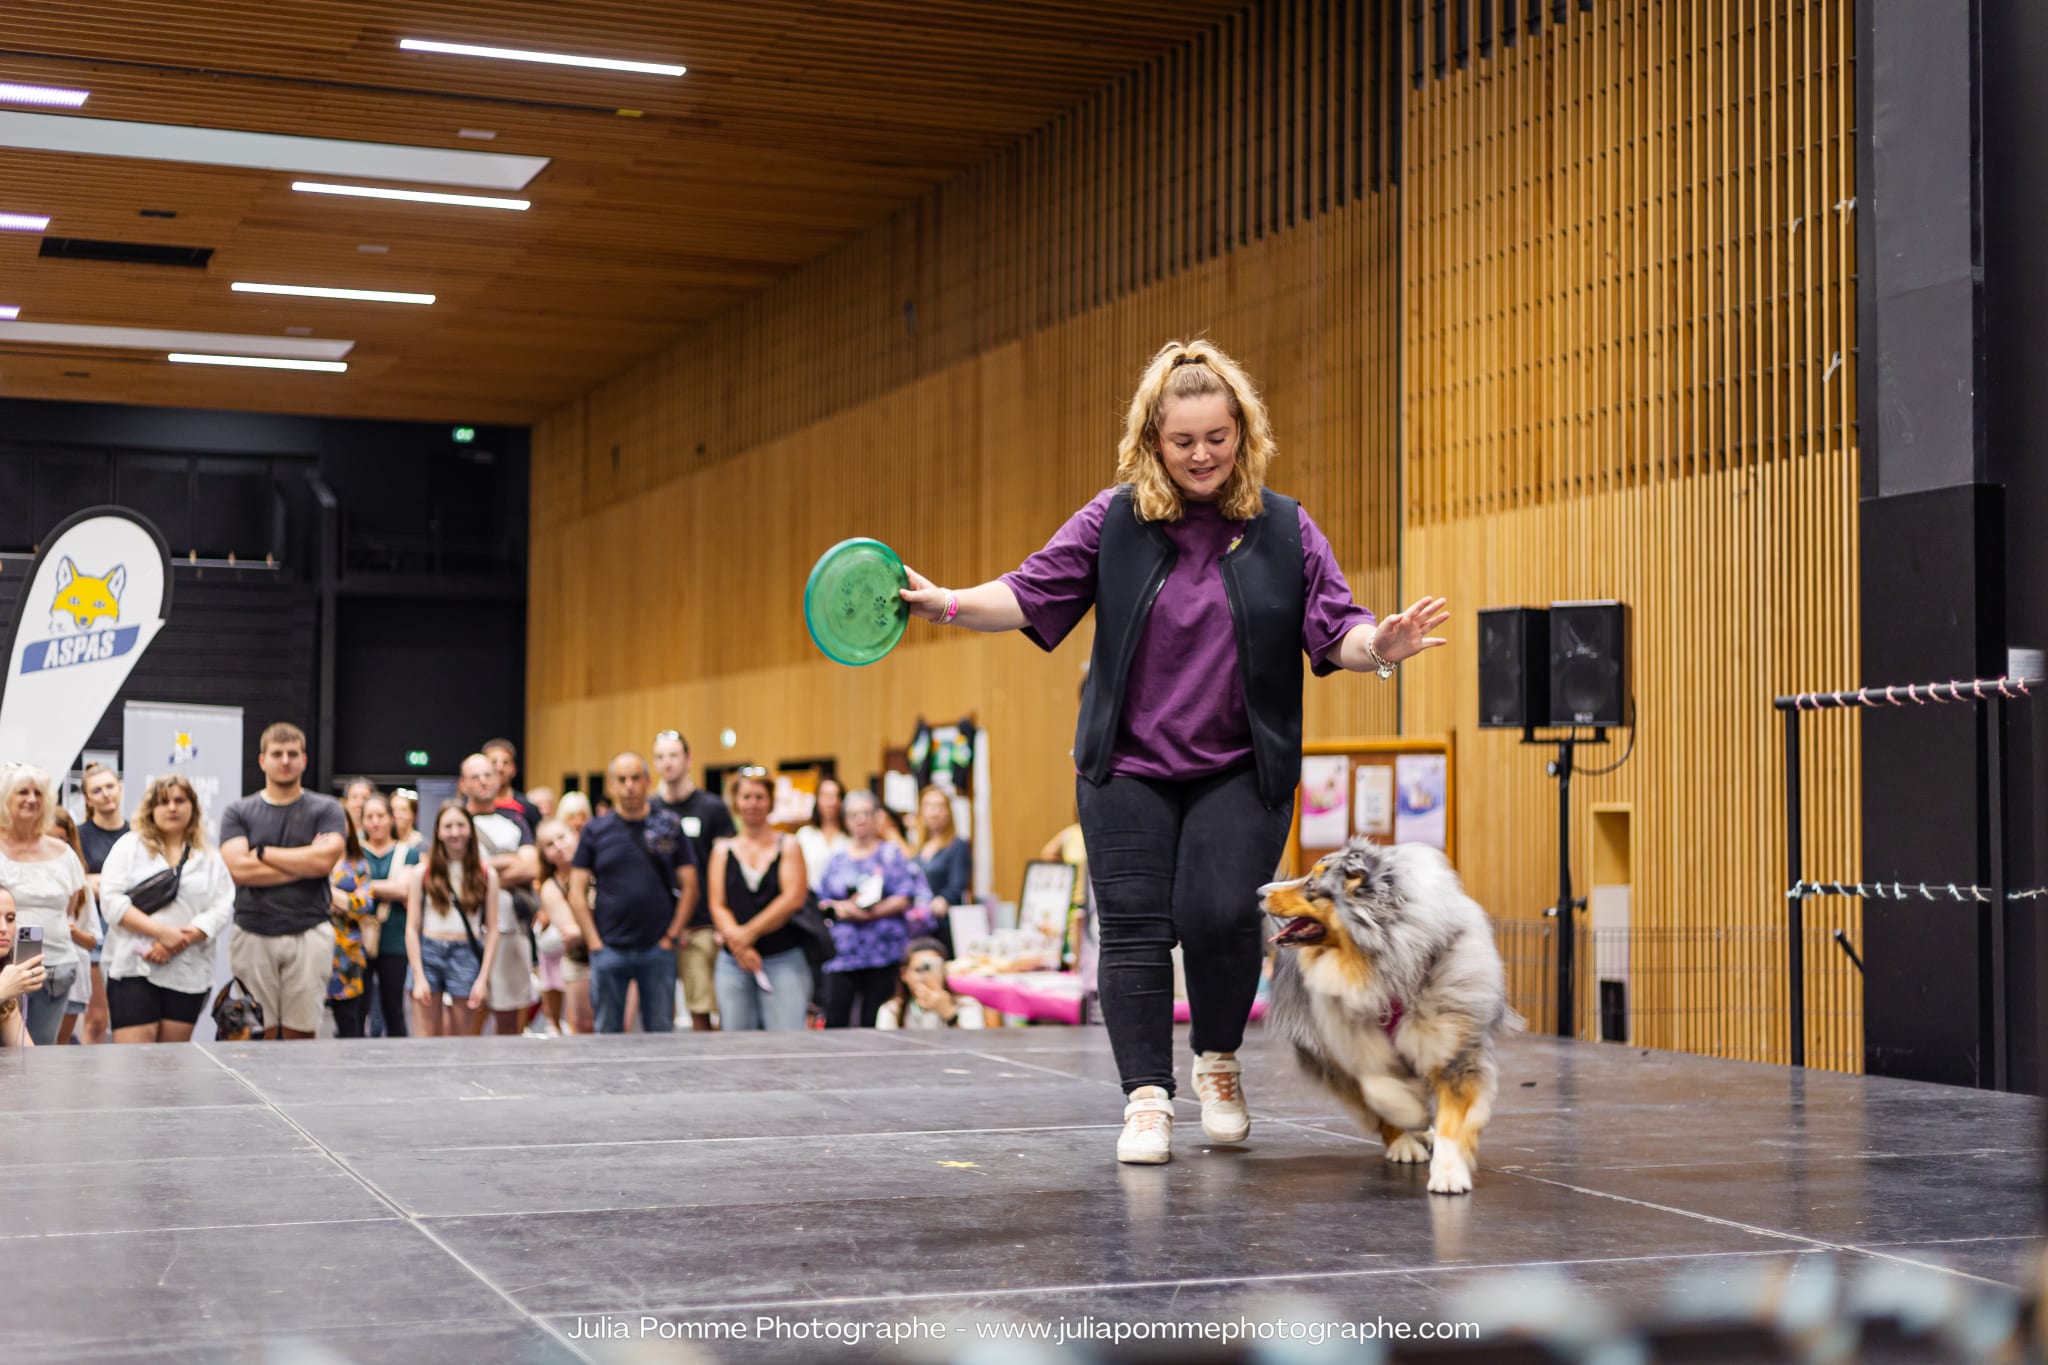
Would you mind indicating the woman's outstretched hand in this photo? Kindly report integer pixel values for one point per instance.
(926, 602)
(1406, 633)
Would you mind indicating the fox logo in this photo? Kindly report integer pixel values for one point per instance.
(84, 601)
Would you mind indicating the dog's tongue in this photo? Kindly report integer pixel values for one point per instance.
(1300, 929)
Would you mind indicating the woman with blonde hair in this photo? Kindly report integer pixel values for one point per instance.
(160, 962)
(573, 810)
(946, 858)
(405, 814)
(48, 882)
(1208, 588)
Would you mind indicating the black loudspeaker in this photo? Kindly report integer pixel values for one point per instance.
(1514, 681)
(1589, 674)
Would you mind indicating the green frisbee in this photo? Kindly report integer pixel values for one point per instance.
(853, 604)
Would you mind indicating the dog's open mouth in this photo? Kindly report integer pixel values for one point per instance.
(1299, 930)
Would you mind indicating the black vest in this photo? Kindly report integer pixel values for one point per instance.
(1262, 579)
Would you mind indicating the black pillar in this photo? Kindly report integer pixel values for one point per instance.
(1942, 412)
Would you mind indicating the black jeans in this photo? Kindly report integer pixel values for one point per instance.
(852, 999)
(1178, 862)
(389, 971)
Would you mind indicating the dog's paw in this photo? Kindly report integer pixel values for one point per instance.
(1409, 1149)
(1448, 1171)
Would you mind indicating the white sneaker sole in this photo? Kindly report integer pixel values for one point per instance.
(1236, 1130)
(1143, 1156)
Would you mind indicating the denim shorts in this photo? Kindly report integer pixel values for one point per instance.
(451, 967)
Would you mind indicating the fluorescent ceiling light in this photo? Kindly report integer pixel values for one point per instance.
(23, 222)
(42, 94)
(258, 362)
(474, 201)
(513, 54)
(9, 312)
(156, 339)
(81, 136)
(310, 292)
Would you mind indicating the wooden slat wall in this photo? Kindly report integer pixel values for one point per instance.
(1592, 276)
(953, 383)
(1628, 373)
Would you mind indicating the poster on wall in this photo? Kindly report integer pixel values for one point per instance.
(204, 745)
(99, 592)
(1325, 804)
(1420, 805)
(1372, 803)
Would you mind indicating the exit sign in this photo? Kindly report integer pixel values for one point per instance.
(463, 435)
(415, 758)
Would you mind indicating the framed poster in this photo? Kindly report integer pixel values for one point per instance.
(1420, 816)
(1047, 897)
(1390, 789)
(1325, 800)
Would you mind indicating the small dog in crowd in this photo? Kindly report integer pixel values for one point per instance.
(1393, 995)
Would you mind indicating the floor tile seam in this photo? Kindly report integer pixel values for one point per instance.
(766, 1137)
(1920, 1264)
(103, 1163)
(1955, 1241)
(163, 1343)
(560, 1058)
(26, 1115)
(376, 1192)
(1718, 1163)
(194, 1227)
(1817, 1243)
(1124, 1286)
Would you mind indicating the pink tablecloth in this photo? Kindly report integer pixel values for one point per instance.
(1045, 997)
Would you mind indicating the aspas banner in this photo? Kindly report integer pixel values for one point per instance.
(201, 743)
(98, 594)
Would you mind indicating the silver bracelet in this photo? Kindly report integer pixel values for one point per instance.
(1384, 668)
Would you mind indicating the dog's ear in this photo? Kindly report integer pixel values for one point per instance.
(1363, 867)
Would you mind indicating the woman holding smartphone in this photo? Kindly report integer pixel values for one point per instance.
(17, 979)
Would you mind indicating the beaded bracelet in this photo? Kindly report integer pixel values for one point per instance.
(952, 608)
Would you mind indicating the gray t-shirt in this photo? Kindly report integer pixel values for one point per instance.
(293, 907)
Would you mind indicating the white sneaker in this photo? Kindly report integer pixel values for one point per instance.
(1216, 1084)
(1147, 1139)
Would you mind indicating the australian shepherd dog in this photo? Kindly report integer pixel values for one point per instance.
(1390, 987)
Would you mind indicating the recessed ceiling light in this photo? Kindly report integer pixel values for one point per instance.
(41, 94)
(22, 222)
(475, 201)
(314, 292)
(259, 362)
(479, 134)
(166, 339)
(369, 250)
(512, 54)
(452, 167)
(298, 331)
(9, 312)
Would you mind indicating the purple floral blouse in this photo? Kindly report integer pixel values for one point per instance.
(872, 943)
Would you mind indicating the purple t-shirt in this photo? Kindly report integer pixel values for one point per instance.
(1184, 712)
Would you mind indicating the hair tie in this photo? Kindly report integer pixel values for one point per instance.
(1186, 360)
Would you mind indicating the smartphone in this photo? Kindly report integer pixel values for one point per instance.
(28, 943)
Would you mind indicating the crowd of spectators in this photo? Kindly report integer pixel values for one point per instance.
(504, 911)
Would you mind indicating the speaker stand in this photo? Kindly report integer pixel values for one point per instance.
(1567, 923)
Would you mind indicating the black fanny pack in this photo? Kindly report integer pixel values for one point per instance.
(152, 894)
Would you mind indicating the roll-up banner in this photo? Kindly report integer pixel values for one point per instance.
(98, 594)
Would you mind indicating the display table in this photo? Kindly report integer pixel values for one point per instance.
(1042, 997)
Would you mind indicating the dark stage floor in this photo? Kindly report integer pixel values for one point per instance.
(496, 1200)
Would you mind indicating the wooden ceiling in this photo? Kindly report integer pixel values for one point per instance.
(667, 200)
